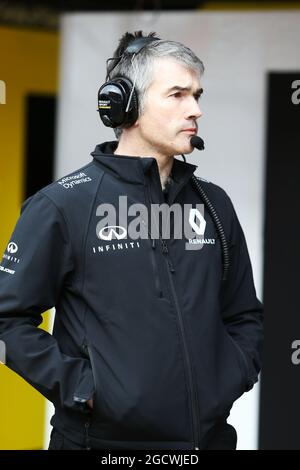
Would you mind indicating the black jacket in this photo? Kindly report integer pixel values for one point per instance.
(147, 326)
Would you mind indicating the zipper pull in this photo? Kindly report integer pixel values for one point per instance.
(87, 437)
(166, 251)
(164, 246)
(153, 243)
(85, 350)
(171, 267)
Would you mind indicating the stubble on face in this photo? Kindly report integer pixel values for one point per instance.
(166, 114)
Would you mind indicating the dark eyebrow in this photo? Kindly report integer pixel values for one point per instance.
(199, 91)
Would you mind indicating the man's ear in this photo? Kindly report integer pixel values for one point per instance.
(136, 124)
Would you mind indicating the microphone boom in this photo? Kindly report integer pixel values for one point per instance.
(197, 142)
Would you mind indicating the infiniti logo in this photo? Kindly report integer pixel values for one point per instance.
(112, 231)
(12, 247)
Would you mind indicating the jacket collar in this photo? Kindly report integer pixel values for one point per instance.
(139, 169)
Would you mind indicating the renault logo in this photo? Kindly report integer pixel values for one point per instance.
(12, 247)
(112, 231)
(199, 229)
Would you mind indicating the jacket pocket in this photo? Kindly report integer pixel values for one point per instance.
(88, 353)
(94, 375)
(251, 378)
(232, 375)
(242, 361)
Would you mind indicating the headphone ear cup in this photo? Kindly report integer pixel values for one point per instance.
(113, 99)
(133, 112)
(112, 104)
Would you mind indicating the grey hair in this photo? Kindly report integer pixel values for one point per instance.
(139, 68)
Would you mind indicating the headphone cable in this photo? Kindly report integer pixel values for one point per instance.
(216, 219)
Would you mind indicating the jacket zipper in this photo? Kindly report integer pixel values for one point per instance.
(155, 269)
(194, 400)
(154, 264)
(193, 393)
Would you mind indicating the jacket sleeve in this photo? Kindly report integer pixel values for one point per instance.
(35, 265)
(242, 312)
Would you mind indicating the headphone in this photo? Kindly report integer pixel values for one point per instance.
(117, 98)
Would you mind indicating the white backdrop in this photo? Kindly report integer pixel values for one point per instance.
(238, 49)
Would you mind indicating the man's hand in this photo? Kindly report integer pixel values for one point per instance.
(90, 403)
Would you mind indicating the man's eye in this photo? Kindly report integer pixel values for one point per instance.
(177, 94)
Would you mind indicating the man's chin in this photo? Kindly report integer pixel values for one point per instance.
(184, 149)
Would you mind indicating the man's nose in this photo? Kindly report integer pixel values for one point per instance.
(194, 110)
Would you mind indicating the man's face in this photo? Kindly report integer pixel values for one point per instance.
(171, 108)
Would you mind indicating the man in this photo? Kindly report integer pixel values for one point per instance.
(151, 344)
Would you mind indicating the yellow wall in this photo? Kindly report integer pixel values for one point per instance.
(28, 63)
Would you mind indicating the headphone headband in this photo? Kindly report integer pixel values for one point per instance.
(117, 98)
(135, 46)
